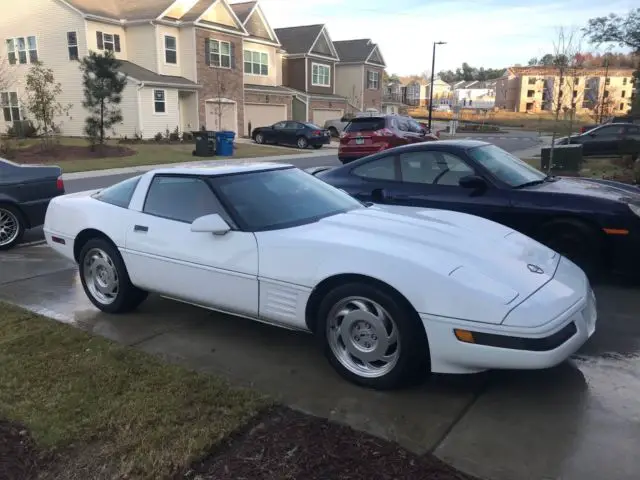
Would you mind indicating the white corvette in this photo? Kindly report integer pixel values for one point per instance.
(390, 292)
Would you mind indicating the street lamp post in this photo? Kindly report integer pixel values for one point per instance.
(433, 67)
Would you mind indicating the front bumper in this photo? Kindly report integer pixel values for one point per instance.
(519, 347)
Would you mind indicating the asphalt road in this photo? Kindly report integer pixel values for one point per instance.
(510, 141)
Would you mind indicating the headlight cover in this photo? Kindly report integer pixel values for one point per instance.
(634, 208)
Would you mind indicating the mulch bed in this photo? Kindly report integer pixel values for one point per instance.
(35, 153)
(286, 444)
(18, 453)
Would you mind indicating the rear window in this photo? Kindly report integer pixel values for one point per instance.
(313, 126)
(119, 194)
(365, 124)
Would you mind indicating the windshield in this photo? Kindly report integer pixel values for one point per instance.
(506, 167)
(282, 198)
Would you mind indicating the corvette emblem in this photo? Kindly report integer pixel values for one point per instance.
(534, 268)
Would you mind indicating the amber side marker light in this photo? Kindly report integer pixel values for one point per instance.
(616, 231)
(464, 335)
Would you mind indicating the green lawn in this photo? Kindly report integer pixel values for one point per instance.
(150, 154)
(87, 397)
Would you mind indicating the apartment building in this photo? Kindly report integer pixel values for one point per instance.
(538, 88)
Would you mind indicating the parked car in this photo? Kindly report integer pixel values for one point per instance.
(301, 134)
(25, 192)
(337, 126)
(390, 292)
(366, 135)
(596, 223)
(623, 119)
(605, 139)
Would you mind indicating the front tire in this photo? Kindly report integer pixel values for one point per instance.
(105, 278)
(334, 132)
(371, 338)
(577, 241)
(12, 227)
(302, 143)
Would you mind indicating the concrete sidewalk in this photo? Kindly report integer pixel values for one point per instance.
(579, 421)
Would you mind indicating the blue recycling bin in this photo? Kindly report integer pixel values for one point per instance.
(224, 143)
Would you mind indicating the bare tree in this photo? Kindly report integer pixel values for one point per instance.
(566, 48)
(225, 88)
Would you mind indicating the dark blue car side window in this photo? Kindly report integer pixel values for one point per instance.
(381, 169)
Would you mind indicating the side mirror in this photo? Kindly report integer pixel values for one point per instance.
(210, 224)
(474, 182)
(379, 195)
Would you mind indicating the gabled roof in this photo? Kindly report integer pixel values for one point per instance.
(299, 40)
(122, 9)
(142, 74)
(243, 9)
(359, 50)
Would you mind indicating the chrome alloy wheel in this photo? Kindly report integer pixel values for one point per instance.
(9, 227)
(363, 337)
(302, 142)
(101, 276)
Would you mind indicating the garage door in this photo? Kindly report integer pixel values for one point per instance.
(321, 115)
(222, 116)
(260, 115)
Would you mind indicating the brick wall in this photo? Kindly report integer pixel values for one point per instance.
(372, 98)
(220, 82)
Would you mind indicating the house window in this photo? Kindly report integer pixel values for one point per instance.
(108, 41)
(72, 45)
(170, 50)
(22, 50)
(532, 80)
(624, 81)
(607, 81)
(373, 80)
(159, 101)
(256, 63)
(10, 106)
(219, 54)
(530, 93)
(606, 94)
(623, 93)
(320, 75)
(622, 106)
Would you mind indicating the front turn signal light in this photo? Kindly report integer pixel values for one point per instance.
(464, 335)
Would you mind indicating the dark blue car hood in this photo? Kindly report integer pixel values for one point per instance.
(605, 189)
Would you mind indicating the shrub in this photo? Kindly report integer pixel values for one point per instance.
(158, 137)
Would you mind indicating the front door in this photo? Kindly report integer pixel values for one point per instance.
(164, 256)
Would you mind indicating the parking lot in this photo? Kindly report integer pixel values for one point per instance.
(580, 420)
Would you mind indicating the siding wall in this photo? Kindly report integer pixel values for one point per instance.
(275, 65)
(49, 21)
(140, 38)
(349, 83)
(129, 107)
(94, 27)
(163, 67)
(187, 53)
(158, 122)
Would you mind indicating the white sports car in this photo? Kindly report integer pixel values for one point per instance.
(390, 292)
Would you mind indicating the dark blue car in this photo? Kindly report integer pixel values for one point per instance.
(596, 223)
(301, 134)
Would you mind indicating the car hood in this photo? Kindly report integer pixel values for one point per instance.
(604, 189)
(484, 261)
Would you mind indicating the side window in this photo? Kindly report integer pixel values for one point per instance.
(402, 124)
(119, 194)
(180, 198)
(633, 130)
(433, 168)
(292, 126)
(279, 125)
(381, 169)
(608, 131)
(415, 127)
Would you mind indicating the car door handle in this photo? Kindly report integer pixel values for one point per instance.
(140, 228)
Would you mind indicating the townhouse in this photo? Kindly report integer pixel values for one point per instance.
(189, 63)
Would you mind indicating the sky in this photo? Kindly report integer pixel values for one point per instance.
(487, 33)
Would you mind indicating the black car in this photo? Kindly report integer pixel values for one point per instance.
(25, 192)
(596, 223)
(301, 134)
(609, 139)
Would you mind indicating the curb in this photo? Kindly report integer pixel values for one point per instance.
(145, 168)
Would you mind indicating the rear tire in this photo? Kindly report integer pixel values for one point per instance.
(105, 278)
(12, 226)
(576, 240)
(259, 139)
(302, 143)
(374, 317)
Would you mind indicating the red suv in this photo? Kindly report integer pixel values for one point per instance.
(367, 135)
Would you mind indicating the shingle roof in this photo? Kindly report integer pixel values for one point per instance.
(242, 10)
(142, 74)
(298, 39)
(354, 50)
(123, 9)
(269, 88)
(198, 9)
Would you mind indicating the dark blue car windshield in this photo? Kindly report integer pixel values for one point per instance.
(505, 167)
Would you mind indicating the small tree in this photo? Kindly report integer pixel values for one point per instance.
(41, 101)
(225, 87)
(566, 49)
(103, 86)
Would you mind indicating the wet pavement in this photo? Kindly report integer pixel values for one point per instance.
(579, 421)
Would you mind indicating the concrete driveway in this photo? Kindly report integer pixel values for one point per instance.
(579, 421)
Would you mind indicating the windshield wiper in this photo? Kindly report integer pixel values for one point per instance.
(536, 182)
